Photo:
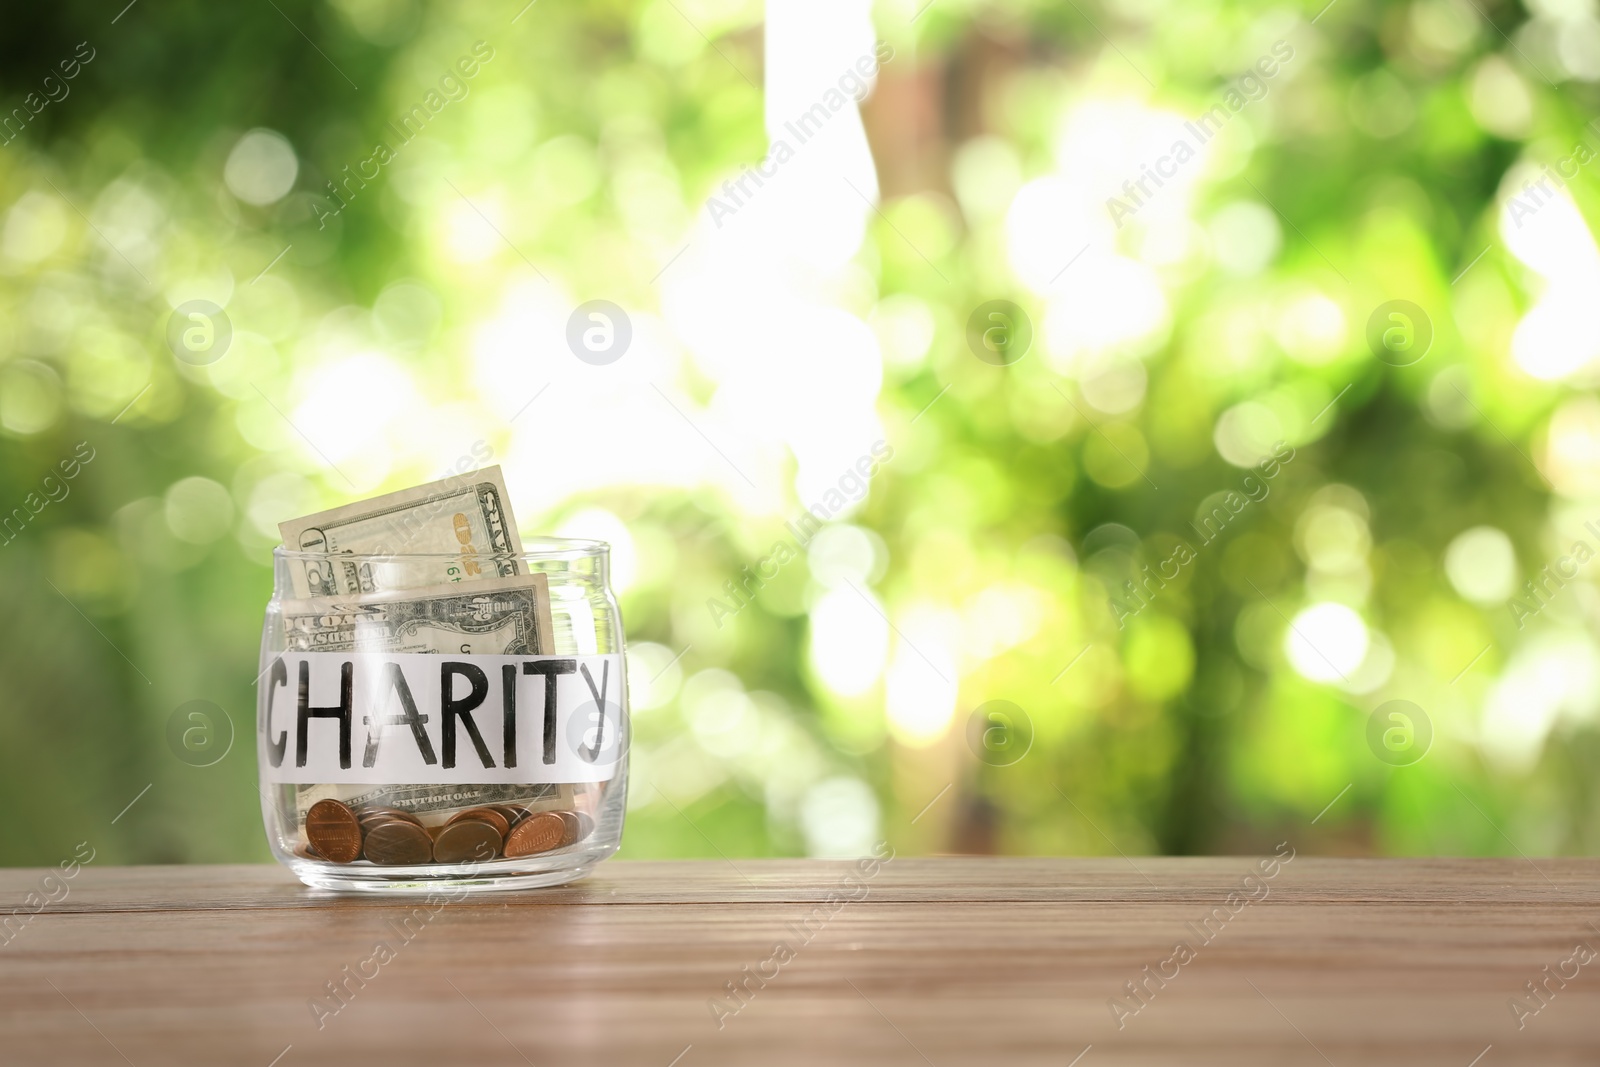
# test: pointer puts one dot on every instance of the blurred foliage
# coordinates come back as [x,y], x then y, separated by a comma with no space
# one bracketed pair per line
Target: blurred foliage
[1169,355]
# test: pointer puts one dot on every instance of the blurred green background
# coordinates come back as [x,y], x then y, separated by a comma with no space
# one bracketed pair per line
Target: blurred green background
[1437,461]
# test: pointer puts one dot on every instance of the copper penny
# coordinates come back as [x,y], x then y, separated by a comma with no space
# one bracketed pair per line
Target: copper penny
[570,820]
[370,824]
[467,840]
[539,832]
[366,814]
[397,842]
[333,831]
[488,815]
[513,814]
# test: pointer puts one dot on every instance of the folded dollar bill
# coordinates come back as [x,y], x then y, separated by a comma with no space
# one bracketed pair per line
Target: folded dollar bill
[464,520]
[493,617]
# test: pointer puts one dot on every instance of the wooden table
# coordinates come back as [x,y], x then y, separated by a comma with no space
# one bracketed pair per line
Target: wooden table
[935,961]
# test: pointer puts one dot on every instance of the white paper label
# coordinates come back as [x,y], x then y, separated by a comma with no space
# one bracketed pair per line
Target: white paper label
[336,717]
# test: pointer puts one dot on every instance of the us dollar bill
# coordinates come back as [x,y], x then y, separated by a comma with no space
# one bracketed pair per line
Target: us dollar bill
[464,521]
[494,617]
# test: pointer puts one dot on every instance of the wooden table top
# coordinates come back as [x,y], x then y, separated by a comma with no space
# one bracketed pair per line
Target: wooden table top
[922,962]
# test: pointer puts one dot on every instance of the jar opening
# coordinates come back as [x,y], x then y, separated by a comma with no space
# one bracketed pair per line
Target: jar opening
[535,549]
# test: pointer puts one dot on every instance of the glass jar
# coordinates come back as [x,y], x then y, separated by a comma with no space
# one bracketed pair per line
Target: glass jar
[454,723]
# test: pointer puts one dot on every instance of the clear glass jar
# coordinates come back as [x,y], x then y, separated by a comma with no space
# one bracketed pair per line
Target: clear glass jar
[457,723]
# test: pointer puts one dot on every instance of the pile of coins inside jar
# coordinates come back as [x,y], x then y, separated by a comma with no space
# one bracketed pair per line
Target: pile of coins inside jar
[392,837]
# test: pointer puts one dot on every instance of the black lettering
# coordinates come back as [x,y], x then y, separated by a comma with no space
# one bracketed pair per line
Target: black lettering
[278,676]
[590,755]
[342,712]
[394,678]
[453,709]
[550,668]
[508,694]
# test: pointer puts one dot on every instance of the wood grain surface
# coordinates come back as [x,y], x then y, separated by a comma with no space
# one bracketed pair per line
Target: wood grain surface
[934,961]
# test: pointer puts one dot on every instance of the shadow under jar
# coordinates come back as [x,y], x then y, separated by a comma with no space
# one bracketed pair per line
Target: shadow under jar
[456,722]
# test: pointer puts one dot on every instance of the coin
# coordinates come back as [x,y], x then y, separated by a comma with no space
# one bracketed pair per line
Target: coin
[397,842]
[467,839]
[570,819]
[375,821]
[585,825]
[333,831]
[488,815]
[396,813]
[539,832]
[512,814]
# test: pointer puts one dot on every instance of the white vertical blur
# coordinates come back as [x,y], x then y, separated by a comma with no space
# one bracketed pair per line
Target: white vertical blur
[1542,227]
[756,296]
[810,45]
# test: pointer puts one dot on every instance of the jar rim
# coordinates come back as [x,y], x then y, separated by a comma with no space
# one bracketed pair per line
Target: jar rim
[534,550]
